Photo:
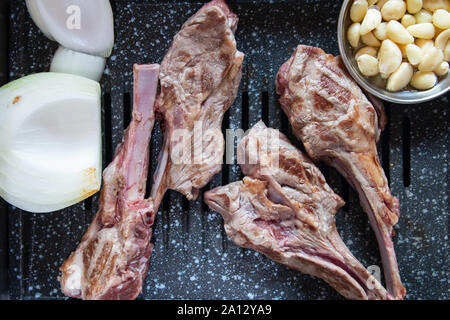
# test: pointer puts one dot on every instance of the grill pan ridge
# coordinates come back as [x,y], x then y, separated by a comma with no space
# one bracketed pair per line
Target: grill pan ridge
[193,258]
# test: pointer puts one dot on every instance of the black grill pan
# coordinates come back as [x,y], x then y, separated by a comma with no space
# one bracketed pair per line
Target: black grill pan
[193,258]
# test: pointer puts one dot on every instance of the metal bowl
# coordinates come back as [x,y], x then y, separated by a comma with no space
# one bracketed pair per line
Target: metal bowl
[406,96]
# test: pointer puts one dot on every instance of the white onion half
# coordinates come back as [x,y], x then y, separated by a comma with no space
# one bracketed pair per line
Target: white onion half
[82,64]
[50,141]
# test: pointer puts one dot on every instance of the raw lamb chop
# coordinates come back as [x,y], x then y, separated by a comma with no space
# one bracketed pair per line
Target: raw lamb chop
[337,124]
[112,259]
[285,209]
[200,75]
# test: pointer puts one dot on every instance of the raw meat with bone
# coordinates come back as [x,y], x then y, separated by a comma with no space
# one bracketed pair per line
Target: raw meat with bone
[112,259]
[199,80]
[285,209]
[200,76]
[337,124]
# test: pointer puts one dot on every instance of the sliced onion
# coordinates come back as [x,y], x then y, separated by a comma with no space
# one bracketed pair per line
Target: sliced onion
[58,20]
[50,141]
[82,64]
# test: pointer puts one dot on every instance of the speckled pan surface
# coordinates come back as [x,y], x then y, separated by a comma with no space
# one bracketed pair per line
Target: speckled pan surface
[193,258]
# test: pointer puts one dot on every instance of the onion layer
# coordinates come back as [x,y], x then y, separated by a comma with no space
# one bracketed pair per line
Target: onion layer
[82,64]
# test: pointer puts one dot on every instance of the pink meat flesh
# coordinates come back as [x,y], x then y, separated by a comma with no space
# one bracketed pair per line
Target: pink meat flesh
[285,209]
[200,76]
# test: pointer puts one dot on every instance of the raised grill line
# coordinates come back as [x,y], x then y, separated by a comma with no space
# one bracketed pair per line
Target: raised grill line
[265,107]
[165,225]
[406,151]
[107,128]
[245,110]
[385,145]
[126,110]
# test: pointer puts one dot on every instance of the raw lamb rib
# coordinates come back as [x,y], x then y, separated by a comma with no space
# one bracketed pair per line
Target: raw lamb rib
[200,75]
[337,124]
[112,259]
[285,209]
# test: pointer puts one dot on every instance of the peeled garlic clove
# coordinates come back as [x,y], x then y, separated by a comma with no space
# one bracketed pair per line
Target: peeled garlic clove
[389,57]
[398,33]
[358,10]
[370,40]
[50,141]
[408,20]
[447,51]
[441,19]
[423,16]
[381,3]
[442,69]
[413,6]
[423,80]
[414,54]
[371,20]
[424,44]
[432,58]
[381,31]
[84,26]
[422,30]
[402,48]
[366,50]
[393,10]
[442,39]
[400,77]
[353,35]
[433,5]
[82,64]
[368,65]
